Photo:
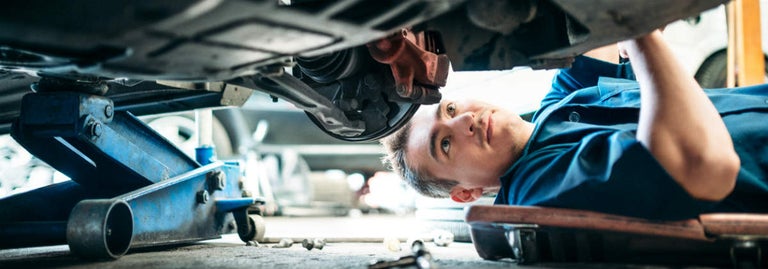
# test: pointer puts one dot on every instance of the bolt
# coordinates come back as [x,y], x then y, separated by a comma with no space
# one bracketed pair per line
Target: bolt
[284,243]
[442,238]
[202,197]
[402,90]
[94,129]
[217,180]
[308,244]
[109,111]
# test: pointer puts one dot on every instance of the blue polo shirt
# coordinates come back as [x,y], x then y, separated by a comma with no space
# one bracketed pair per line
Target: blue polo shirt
[583,153]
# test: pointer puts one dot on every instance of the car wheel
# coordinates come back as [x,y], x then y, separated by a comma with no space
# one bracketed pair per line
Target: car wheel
[181,130]
[712,73]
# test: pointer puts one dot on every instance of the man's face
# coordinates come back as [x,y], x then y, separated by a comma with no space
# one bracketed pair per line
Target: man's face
[469,141]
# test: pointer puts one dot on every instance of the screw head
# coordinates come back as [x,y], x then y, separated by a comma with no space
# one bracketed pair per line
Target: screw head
[202,197]
[217,180]
[109,111]
[94,129]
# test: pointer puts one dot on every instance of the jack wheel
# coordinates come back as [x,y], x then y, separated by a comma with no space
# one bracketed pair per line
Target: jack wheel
[255,230]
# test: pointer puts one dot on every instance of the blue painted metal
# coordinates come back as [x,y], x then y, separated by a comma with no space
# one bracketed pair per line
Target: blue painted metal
[112,157]
[205,154]
[32,233]
[167,212]
[81,136]
[229,205]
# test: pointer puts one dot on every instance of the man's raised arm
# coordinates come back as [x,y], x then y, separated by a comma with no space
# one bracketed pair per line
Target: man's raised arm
[679,124]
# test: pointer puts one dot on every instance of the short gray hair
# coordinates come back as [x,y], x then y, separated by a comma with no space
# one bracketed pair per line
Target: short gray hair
[396,160]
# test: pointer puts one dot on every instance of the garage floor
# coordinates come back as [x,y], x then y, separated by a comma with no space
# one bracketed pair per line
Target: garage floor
[353,243]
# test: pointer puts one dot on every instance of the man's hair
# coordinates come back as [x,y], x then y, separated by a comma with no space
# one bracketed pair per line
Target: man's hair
[396,160]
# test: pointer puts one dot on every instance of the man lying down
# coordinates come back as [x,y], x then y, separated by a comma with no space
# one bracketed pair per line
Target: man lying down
[638,138]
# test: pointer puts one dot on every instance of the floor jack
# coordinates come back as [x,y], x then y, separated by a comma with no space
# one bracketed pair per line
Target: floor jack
[130,187]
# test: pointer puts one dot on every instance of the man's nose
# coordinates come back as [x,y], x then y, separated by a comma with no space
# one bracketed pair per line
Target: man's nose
[464,123]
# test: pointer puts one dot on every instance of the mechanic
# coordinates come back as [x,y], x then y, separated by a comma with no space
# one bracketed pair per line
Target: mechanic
[656,147]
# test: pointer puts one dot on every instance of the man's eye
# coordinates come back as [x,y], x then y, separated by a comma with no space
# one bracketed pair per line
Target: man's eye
[445,145]
[451,109]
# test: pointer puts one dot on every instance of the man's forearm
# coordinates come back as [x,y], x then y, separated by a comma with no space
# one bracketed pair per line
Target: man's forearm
[679,124]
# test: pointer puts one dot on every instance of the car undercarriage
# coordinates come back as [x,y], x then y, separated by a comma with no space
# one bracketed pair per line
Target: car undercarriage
[179,55]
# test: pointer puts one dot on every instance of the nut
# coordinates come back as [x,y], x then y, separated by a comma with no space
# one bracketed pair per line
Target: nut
[319,243]
[308,244]
[442,238]
[392,244]
[202,196]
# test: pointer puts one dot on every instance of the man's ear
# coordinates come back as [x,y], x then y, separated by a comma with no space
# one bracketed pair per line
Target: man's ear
[463,195]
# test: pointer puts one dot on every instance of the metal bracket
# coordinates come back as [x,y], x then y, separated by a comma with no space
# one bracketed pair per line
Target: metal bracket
[746,253]
[283,85]
[522,240]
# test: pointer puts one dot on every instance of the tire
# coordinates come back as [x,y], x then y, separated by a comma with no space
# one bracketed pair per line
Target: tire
[180,129]
[712,73]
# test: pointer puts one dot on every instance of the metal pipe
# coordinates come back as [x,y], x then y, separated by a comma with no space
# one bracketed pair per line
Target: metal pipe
[204,120]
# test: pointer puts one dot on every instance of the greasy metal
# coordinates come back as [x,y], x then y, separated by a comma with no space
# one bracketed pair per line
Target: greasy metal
[100,228]
[304,97]
[501,16]
[235,96]
[560,30]
[417,63]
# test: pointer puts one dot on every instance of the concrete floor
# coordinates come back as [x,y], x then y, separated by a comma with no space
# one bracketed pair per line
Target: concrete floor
[353,243]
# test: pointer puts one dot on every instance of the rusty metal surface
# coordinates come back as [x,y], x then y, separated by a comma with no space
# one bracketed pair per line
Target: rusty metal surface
[419,68]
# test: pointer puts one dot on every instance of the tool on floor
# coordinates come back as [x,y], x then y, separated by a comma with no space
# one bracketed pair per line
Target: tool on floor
[421,258]
[284,243]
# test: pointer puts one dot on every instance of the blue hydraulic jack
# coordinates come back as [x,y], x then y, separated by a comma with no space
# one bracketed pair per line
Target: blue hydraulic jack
[130,187]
